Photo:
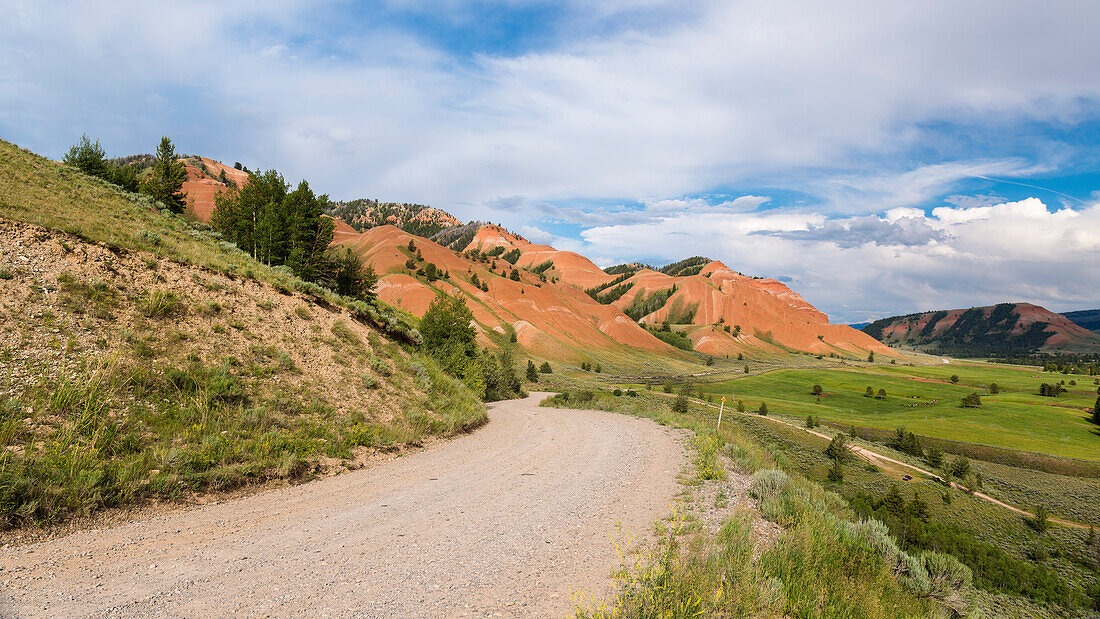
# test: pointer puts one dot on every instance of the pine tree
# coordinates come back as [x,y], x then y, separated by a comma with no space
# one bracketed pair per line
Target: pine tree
[87,156]
[166,177]
[1096,411]
[532,372]
[310,232]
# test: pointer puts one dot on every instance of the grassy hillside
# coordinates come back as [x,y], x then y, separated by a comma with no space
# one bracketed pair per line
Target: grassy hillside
[142,358]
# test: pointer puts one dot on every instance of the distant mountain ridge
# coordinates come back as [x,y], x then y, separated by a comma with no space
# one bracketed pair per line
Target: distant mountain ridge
[1089,319]
[999,330]
[419,219]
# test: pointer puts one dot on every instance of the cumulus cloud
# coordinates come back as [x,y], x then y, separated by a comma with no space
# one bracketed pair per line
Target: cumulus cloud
[857,231]
[867,267]
[711,93]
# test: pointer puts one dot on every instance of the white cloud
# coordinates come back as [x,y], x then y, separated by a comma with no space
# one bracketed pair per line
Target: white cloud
[725,92]
[1016,251]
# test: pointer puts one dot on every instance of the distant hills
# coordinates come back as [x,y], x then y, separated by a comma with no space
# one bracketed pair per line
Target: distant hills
[1089,319]
[1003,330]
[559,304]
[364,214]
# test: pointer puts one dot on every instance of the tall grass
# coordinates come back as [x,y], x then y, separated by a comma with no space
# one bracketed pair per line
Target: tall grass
[119,431]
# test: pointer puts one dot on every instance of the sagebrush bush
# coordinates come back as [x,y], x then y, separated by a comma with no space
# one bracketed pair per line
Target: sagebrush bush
[768,484]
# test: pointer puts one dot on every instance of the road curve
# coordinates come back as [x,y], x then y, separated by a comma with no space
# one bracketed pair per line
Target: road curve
[508,521]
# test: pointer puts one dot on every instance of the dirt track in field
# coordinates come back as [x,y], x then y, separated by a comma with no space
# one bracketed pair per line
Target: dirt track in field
[513,520]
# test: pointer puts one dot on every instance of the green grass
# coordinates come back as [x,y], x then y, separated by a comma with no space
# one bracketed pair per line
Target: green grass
[1017,418]
[121,431]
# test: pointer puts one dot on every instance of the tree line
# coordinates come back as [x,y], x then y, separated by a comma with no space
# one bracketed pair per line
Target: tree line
[280,226]
[163,183]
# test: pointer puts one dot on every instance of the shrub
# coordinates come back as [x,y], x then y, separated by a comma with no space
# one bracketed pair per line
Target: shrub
[707,464]
[545,368]
[817,390]
[161,304]
[768,484]
[680,404]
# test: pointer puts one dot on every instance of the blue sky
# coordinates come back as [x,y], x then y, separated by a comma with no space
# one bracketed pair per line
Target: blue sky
[881,158]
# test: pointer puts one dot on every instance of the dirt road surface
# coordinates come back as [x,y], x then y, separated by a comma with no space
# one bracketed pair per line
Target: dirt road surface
[512,520]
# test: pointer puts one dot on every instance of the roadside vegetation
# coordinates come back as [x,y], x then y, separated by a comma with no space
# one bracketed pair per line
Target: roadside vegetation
[1024,566]
[826,563]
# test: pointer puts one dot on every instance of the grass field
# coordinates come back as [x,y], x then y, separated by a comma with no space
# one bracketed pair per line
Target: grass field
[924,401]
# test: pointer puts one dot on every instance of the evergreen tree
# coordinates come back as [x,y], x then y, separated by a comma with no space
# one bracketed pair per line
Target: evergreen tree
[1096,411]
[839,449]
[252,217]
[87,156]
[451,339]
[351,278]
[532,372]
[763,410]
[817,390]
[310,232]
[545,368]
[166,177]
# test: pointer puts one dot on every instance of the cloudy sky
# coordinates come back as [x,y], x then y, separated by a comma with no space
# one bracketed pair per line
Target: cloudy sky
[880,158]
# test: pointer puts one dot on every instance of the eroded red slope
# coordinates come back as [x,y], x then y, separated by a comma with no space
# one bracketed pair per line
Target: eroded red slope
[770,315]
[201,189]
[552,319]
[569,267]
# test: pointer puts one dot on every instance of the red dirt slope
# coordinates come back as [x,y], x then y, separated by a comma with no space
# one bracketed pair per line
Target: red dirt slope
[202,187]
[551,319]
[772,317]
[569,267]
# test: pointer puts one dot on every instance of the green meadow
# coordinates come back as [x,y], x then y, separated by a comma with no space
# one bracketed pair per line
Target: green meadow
[924,401]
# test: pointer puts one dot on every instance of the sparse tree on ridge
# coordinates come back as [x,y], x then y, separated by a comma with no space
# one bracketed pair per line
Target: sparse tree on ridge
[166,177]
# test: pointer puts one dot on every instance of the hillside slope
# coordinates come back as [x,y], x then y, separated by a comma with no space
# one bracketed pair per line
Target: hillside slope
[566,266]
[725,313]
[551,320]
[204,183]
[1005,329]
[140,358]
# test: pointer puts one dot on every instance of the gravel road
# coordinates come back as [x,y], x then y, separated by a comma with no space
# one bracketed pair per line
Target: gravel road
[512,520]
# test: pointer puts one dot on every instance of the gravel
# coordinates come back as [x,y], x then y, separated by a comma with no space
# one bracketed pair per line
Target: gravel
[516,519]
